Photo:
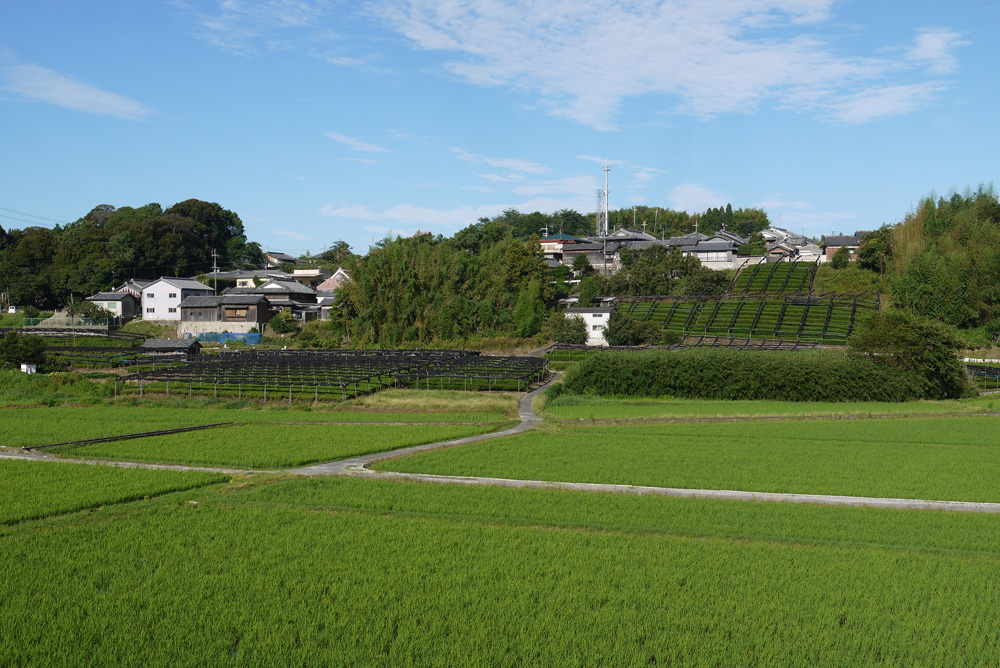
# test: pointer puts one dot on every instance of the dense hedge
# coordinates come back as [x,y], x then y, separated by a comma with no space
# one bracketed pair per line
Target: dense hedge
[723,373]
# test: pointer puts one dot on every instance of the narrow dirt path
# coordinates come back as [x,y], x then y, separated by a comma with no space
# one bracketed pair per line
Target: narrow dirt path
[525,411]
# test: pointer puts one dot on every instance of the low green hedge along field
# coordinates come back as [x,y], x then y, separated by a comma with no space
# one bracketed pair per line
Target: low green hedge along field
[38,489]
[269,446]
[361,573]
[930,458]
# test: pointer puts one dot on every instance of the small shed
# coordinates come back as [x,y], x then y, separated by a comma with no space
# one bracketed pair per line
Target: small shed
[189,347]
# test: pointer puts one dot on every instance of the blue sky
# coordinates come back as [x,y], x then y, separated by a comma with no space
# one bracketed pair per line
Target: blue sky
[318,120]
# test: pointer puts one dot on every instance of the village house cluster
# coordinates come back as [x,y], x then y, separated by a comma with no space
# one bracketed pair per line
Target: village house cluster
[256,297]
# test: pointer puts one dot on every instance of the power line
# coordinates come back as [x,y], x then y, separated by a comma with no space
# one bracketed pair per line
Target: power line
[20,220]
[33,215]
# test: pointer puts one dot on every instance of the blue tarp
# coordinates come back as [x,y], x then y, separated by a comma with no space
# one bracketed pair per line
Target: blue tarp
[249,339]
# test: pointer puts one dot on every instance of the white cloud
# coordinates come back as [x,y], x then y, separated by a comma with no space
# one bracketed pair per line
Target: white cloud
[574,185]
[498,178]
[695,198]
[242,27]
[513,164]
[585,58]
[357,211]
[34,82]
[446,221]
[356,144]
[291,235]
[932,47]
[409,214]
[877,103]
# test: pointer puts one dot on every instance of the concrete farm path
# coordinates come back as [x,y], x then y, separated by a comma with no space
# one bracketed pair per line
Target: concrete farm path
[359,467]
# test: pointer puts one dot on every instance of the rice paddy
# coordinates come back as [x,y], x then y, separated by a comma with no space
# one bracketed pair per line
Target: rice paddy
[128,567]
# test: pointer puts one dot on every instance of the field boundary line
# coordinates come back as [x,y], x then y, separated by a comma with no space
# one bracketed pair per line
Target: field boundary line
[361,470]
[31,456]
[525,411]
[125,437]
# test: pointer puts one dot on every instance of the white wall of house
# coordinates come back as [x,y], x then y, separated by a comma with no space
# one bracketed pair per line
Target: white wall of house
[596,320]
[162,300]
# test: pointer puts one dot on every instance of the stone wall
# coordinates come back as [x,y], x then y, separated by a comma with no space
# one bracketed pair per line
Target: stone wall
[195,328]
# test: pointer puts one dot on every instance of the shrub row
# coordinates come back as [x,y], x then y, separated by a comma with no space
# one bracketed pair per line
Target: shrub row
[725,373]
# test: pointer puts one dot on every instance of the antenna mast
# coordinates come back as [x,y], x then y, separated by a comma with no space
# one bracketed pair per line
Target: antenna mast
[606,166]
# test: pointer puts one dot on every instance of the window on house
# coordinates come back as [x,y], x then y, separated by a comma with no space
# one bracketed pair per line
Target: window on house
[171,310]
[151,295]
[150,309]
[171,295]
[598,315]
[597,327]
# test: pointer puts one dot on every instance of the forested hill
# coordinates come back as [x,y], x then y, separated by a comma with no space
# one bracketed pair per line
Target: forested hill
[108,246]
[943,259]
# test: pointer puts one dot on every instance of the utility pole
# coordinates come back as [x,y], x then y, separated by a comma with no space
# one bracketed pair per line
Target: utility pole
[215,272]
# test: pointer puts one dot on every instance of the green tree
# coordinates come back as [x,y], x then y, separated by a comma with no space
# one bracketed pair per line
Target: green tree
[900,339]
[562,328]
[841,259]
[588,292]
[283,323]
[582,266]
[16,349]
[625,330]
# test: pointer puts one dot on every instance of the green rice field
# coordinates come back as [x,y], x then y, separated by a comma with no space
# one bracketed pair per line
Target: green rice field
[585,407]
[929,458]
[112,566]
[31,490]
[358,573]
[23,427]
[270,446]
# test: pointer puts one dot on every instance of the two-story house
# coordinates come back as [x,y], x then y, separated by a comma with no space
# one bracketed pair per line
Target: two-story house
[161,299]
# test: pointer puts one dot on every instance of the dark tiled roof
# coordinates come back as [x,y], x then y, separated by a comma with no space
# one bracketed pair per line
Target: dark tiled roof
[841,241]
[233,300]
[711,246]
[110,296]
[170,344]
[201,302]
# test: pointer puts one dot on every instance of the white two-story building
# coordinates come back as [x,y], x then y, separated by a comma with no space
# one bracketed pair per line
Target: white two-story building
[161,299]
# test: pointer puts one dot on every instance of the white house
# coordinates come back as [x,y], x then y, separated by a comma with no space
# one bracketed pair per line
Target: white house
[161,299]
[596,319]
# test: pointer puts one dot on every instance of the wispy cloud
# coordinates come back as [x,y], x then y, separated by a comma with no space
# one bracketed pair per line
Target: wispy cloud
[705,58]
[40,84]
[358,211]
[933,47]
[877,103]
[695,198]
[291,235]
[513,164]
[573,185]
[441,220]
[246,27]
[356,144]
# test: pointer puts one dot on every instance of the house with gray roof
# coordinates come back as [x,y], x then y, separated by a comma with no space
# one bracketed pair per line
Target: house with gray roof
[161,299]
[122,304]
